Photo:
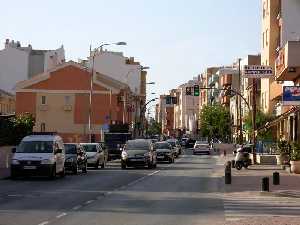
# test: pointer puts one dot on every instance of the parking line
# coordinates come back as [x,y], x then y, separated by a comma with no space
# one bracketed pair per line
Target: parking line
[77,207]
[43,223]
[61,215]
[89,202]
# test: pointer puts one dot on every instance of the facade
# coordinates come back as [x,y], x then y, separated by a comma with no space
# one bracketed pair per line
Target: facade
[280,49]
[19,63]
[7,103]
[162,112]
[59,101]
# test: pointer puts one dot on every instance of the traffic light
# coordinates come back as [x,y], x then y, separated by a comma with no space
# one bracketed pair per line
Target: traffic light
[168,100]
[188,91]
[196,90]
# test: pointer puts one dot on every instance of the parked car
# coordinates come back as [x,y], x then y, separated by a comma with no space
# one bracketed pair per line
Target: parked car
[95,155]
[175,145]
[39,154]
[76,158]
[201,147]
[164,151]
[190,143]
[138,153]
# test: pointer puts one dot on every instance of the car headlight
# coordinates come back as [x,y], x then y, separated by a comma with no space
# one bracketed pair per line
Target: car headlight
[124,155]
[47,161]
[15,162]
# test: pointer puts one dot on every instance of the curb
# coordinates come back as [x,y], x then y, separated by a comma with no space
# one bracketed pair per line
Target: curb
[279,194]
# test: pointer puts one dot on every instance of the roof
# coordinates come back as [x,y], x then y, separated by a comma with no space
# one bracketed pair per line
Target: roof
[6,93]
[99,79]
[41,138]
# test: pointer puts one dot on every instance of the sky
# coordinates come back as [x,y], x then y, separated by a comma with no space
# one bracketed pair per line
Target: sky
[177,39]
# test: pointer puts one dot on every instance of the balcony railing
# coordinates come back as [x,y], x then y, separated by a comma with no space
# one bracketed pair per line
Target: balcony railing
[287,65]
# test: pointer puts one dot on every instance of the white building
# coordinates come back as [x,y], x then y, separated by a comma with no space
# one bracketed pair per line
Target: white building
[19,63]
[119,67]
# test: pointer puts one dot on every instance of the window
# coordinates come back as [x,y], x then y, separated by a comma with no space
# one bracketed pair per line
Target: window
[43,100]
[67,100]
[267,43]
[43,127]
[263,40]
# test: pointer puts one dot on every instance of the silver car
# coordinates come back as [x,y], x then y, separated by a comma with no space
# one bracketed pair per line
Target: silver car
[95,155]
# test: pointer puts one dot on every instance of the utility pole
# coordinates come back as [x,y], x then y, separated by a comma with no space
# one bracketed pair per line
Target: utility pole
[240,105]
[254,90]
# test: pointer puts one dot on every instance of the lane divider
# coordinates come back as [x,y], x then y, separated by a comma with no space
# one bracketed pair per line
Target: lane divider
[77,207]
[43,223]
[61,215]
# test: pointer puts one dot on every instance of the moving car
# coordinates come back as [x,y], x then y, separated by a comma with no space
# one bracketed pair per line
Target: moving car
[201,147]
[164,152]
[39,154]
[95,155]
[113,143]
[76,158]
[138,153]
[189,143]
[175,145]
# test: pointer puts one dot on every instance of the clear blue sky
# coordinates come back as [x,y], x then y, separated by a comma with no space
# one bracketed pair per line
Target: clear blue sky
[176,38]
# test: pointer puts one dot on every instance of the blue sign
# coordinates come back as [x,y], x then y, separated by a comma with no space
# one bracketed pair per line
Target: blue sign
[291,95]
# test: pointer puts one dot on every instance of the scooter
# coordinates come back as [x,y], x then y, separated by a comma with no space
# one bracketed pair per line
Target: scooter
[242,159]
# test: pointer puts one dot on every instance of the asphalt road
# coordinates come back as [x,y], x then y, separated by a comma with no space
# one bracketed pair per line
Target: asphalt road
[186,192]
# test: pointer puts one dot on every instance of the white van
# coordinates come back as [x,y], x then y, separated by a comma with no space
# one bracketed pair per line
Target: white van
[39,154]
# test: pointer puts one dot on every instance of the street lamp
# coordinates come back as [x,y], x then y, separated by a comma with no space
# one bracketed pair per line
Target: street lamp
[91,82]
[151,82]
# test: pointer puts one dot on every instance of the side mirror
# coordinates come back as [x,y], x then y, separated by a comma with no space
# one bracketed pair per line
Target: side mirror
[13,150]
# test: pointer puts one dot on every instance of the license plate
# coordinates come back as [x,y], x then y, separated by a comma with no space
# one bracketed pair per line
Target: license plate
[29,167]
[136,160]
[160,157]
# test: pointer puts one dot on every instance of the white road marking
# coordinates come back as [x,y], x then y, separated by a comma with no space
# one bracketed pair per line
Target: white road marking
[77,207]
[89,202]
[43,223]
[61,215]
[16,195]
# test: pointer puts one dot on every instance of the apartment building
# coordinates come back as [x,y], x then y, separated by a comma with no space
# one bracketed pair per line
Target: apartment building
[20,63]
[7,103]
[59,101]
[280,49]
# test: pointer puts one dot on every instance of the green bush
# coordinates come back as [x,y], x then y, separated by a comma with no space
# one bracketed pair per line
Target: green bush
[13,129]
[295,153]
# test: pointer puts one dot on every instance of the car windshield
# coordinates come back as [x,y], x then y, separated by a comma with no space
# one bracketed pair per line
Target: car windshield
[171,142]
[137,145]
[70,149]
[35,147]
[90,148]
[162,146]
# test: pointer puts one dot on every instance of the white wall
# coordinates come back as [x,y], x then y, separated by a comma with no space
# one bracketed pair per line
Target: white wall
[13,67]
[53,58]
[114,65]
[290,17]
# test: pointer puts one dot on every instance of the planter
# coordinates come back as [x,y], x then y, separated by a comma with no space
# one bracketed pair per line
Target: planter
[282,159]
[295,167]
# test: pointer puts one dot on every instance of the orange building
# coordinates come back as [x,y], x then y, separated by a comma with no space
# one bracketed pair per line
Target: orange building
[60,102]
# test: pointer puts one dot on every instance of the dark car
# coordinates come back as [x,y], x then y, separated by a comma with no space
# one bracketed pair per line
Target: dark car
[190,143]
[76,158]
[164,151]
[175,145]
[138,153]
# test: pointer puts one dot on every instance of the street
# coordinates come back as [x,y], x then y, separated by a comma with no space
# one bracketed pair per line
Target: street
[182,193]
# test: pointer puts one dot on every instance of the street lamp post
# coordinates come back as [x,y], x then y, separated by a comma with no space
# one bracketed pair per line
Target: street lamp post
[143,109]
[91,83]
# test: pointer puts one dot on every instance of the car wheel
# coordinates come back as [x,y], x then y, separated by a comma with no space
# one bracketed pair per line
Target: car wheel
[171,160]
[149,165]
[238,165]
[53,172]
[84,169]
[123,166]
[13,174]
[103,165]
[75,169]
[154,166]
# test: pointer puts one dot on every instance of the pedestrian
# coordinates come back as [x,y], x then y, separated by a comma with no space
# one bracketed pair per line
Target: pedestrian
[224,153]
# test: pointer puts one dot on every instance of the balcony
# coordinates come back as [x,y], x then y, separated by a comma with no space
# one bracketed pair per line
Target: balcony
[287,65]
[226,80]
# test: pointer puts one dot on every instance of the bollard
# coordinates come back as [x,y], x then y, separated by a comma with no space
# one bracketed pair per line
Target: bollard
[233,163]
[265,184]
[276,178]
[228,173]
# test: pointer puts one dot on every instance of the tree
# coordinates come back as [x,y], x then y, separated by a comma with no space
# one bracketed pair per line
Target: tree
[215,122]
[13,129]
[154,127]
[261,120]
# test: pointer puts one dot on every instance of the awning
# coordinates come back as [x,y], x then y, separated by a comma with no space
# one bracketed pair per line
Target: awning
[279,118]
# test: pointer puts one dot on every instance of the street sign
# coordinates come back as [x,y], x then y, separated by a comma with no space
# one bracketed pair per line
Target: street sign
[257,71]
[291,95]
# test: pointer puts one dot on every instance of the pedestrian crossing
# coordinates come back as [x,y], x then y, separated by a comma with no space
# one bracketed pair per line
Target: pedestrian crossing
[247,205]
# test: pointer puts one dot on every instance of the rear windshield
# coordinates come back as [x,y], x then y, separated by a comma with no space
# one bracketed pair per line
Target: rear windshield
[35,147]
[70,149]
[90,148]
[137,145]
[171,142]
[162,146]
